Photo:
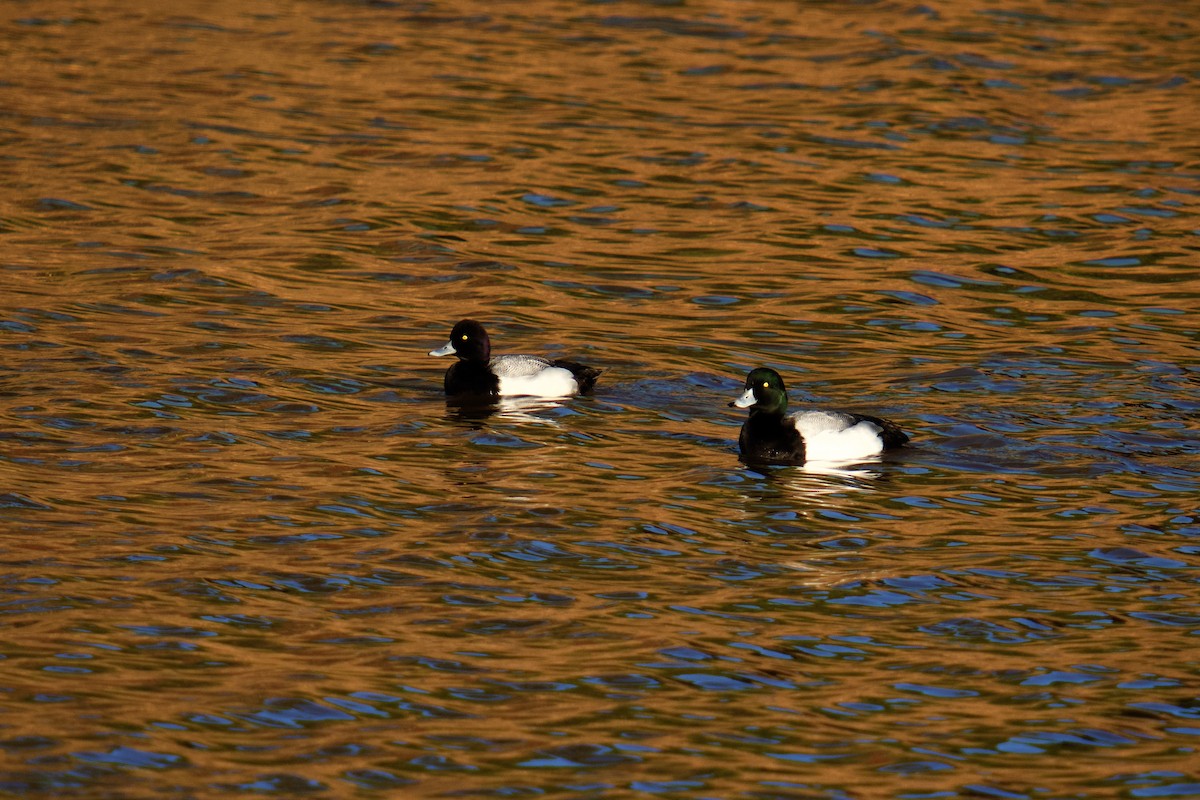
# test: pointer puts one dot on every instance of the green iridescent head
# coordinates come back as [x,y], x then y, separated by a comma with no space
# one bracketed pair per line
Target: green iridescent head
[764,392]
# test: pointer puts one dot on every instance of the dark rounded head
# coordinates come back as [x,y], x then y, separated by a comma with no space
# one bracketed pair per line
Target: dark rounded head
[764,392]
[468,340]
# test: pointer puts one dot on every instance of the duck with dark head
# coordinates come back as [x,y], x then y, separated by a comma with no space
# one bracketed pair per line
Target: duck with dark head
[478,373]
[772,436]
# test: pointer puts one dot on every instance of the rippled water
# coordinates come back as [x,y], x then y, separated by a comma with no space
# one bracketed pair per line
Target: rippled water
[248,549]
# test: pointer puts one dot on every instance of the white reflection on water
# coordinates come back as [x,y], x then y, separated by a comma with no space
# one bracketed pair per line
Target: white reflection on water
[525,409]
[821,479]
[533,410]
[842,469]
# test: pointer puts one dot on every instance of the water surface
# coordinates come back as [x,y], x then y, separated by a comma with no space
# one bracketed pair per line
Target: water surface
[248,549]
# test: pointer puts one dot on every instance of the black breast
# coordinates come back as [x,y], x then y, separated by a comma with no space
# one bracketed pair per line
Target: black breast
[471,377]
[770,439]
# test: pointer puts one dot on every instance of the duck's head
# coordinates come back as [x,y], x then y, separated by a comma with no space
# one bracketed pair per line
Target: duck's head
[468,340]
[764,392]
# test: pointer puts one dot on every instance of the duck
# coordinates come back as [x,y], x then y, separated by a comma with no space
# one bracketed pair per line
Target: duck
[478,373]
[771,436]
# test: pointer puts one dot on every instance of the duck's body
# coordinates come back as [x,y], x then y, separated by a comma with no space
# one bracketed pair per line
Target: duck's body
[519,375]
[770,435]
[478,373]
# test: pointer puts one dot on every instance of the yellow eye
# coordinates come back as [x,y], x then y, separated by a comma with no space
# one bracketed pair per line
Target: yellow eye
[463,337]
[765,384]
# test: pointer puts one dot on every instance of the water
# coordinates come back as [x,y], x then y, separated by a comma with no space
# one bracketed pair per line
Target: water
[249,550]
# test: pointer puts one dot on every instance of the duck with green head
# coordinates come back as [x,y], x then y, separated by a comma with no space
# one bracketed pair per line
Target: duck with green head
[771,436]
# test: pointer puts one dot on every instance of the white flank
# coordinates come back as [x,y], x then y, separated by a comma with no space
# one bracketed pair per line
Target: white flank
[550,382]
[830,436]
[532,377]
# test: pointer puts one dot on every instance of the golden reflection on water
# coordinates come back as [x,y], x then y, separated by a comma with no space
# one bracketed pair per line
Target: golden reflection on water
[248,547]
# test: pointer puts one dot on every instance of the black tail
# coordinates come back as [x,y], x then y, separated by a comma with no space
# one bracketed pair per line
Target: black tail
[584,376]
[891,434]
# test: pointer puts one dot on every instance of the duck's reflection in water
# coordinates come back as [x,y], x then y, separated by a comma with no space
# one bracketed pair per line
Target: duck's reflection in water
[820,491]
[847,472]
[817,479]
[836,576]
[509,409]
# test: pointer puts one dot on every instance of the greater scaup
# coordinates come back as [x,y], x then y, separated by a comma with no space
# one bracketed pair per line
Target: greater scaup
[478,372]
[768,436]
